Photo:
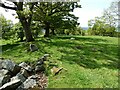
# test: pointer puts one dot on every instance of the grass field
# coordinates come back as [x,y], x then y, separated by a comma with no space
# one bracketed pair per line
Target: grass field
[88,61]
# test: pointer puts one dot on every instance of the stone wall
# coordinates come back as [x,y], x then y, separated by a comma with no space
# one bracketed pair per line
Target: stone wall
[22,76]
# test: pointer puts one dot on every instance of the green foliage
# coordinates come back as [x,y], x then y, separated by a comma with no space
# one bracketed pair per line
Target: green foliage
[76,31]
[56,15]
[99,26]
[18,30]
[6,27]
[36,28]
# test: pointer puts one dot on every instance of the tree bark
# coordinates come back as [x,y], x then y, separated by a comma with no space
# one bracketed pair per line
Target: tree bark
[26,26]
[53,32]
[28,33]
[47,27]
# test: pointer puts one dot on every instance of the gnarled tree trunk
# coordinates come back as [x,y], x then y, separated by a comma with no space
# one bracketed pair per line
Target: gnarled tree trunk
[26,26]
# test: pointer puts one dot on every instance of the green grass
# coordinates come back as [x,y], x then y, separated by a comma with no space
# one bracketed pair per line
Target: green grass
[88,61]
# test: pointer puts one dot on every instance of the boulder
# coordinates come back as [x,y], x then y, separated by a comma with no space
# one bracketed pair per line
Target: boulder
[55,70]
[46,56]
[39,68]
[72,38]
[40,62]
[10,66]
[4,72]
[33,77]
[18,77]
[26,66]
[29,83]
[12,85]
[24,73]
[33,47]
[4,79]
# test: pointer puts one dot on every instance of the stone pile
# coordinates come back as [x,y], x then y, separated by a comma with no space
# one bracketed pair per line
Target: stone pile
[22,76]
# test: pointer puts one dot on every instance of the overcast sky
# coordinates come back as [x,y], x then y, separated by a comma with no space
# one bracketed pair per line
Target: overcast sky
[89,10]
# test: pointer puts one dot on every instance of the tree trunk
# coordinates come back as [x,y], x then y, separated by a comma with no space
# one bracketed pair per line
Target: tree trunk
[27,30]
[28,33]
[21,36]
[25,21]
[47,27]
[26,27]
[53,32]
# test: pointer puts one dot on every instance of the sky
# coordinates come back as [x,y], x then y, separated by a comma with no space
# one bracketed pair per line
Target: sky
[90,9]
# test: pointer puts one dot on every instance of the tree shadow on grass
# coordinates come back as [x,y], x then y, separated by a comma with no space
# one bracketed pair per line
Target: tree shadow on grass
[90,63]
[81,38]
[104,55]
[8,46]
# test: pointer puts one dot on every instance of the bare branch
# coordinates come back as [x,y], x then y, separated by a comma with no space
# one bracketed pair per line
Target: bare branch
[7,7]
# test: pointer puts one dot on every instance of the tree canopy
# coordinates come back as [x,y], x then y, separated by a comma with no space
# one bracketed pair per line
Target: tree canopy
[54,15]
[51,15]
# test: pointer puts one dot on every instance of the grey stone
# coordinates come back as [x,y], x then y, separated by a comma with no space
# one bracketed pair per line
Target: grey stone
[27,84]
[46,57]
[33,47]
[72,38]
[42,58]
[3,72]
[56,70]
[25,66]
[39,68]
[1,61]
[24,72]
[4,79]
[33,77]
[18,77]
[10,66]
[40,62]
[1,80]
[7,64]
[12,85]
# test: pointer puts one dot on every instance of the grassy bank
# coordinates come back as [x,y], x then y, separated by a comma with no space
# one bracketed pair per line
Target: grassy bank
[88,61]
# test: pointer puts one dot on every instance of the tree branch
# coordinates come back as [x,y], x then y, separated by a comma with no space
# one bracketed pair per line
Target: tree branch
[31,8]
[7,7]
